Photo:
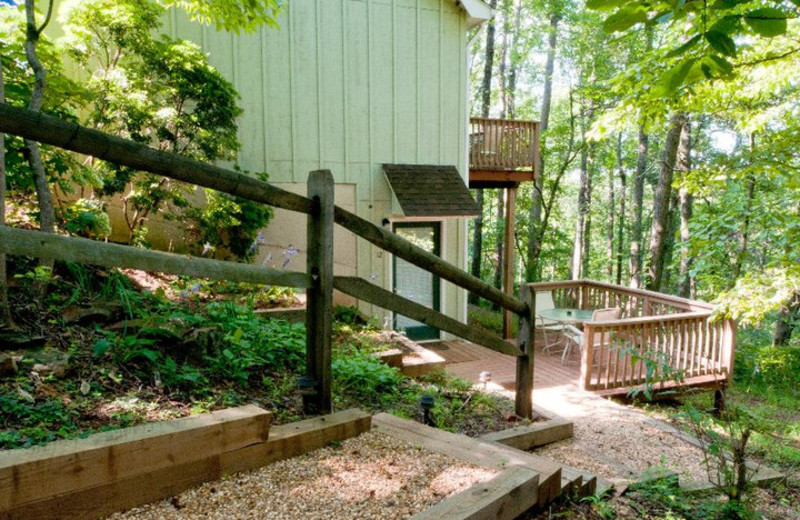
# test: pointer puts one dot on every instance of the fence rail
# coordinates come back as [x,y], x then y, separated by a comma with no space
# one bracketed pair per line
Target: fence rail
[318,280]
[659,339]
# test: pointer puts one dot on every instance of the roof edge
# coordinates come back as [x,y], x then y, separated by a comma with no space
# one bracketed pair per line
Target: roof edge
[477,11]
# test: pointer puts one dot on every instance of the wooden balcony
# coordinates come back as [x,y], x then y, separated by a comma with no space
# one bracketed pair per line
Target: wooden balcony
[502,152]
[658,337]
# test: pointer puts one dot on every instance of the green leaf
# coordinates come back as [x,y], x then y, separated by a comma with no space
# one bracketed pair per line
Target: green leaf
[605,5]
[722,65]
[674,77]
[767,21]
[624,19]
[728,25]
[685,47]
[101,346]
[728,4]
[722,43]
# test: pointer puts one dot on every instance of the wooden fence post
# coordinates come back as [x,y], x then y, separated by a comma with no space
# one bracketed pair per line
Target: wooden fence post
[508,256]
[525,343]
[319,298]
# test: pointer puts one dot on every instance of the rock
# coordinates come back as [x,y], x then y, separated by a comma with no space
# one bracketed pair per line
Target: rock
[49,361]
[8,365]
[11,339]
[86,315]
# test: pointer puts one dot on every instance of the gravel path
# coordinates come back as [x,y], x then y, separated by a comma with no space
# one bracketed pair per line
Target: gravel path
[373,476]
[614,441]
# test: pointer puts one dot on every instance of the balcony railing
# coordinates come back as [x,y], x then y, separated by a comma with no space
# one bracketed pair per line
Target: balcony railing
[661,339]
[503,145]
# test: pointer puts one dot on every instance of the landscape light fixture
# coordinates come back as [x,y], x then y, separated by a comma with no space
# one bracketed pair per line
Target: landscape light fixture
[426,403]
[307,386]
[484,377]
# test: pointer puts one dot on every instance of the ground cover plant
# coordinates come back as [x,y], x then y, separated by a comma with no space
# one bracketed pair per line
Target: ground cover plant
[112,354]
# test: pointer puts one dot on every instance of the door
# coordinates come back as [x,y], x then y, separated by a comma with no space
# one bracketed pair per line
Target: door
[415,283]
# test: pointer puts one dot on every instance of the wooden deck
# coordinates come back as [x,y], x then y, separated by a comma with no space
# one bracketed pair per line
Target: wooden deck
[468,360]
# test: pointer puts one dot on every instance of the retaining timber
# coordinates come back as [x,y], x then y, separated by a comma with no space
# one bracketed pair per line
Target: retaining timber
[107,472]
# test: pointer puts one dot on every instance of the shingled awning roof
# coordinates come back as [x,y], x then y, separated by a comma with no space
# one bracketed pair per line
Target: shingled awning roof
[430,191]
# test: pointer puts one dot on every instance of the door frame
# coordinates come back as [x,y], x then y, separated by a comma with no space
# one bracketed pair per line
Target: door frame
[436,286]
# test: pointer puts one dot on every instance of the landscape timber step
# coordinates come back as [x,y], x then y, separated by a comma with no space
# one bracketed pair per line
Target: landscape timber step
[241,444]
[533,435]
[421,361]
[604,486]
[505,497]
[490,455]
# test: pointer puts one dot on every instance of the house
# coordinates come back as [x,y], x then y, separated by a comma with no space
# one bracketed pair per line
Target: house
[351,86]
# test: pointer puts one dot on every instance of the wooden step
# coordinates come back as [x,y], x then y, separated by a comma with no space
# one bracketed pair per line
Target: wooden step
[571,481]
[481,453]
[533,435]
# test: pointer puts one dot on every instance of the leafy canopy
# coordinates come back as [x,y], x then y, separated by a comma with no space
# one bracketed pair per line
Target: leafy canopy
[712,33]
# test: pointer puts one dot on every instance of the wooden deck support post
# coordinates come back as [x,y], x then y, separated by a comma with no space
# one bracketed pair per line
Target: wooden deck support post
[508,257]
[728,347]
[319,298]
[525,342]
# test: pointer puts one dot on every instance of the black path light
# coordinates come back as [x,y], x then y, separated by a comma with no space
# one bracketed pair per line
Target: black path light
[426,402]
[307,388]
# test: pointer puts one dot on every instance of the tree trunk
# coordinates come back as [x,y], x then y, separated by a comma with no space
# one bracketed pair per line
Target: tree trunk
[788,317]
[5,309]
[488,65]
[583,222]
[587,222]
[686,285]
[638,203]
[669,241]
[502,65]
[623,185]
[500,233]
[744,234]
[486,101]
[535,228]
[661,203]
[612,210]
[47,212]
[513,61]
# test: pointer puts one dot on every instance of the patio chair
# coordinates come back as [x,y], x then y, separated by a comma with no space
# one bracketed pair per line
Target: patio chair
[551,329]
[574,336]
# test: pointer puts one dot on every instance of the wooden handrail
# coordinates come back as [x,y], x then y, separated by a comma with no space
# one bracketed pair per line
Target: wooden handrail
[654,297]
[364,290]
[404,249]
[25,242]
[71,136]
[51,130]
[648,319]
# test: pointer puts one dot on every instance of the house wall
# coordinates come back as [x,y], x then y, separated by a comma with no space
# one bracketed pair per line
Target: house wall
[347,85]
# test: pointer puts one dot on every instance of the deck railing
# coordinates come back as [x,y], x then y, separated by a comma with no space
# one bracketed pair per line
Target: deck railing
[502,144]
[660,339]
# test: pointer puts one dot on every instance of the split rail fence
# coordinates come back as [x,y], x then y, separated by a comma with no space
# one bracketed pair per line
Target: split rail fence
[318,280]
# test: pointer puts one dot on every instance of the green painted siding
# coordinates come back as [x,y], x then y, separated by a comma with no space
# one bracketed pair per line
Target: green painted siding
[348,85]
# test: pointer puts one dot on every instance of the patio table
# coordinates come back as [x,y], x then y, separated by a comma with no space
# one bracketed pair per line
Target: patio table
[567,316]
